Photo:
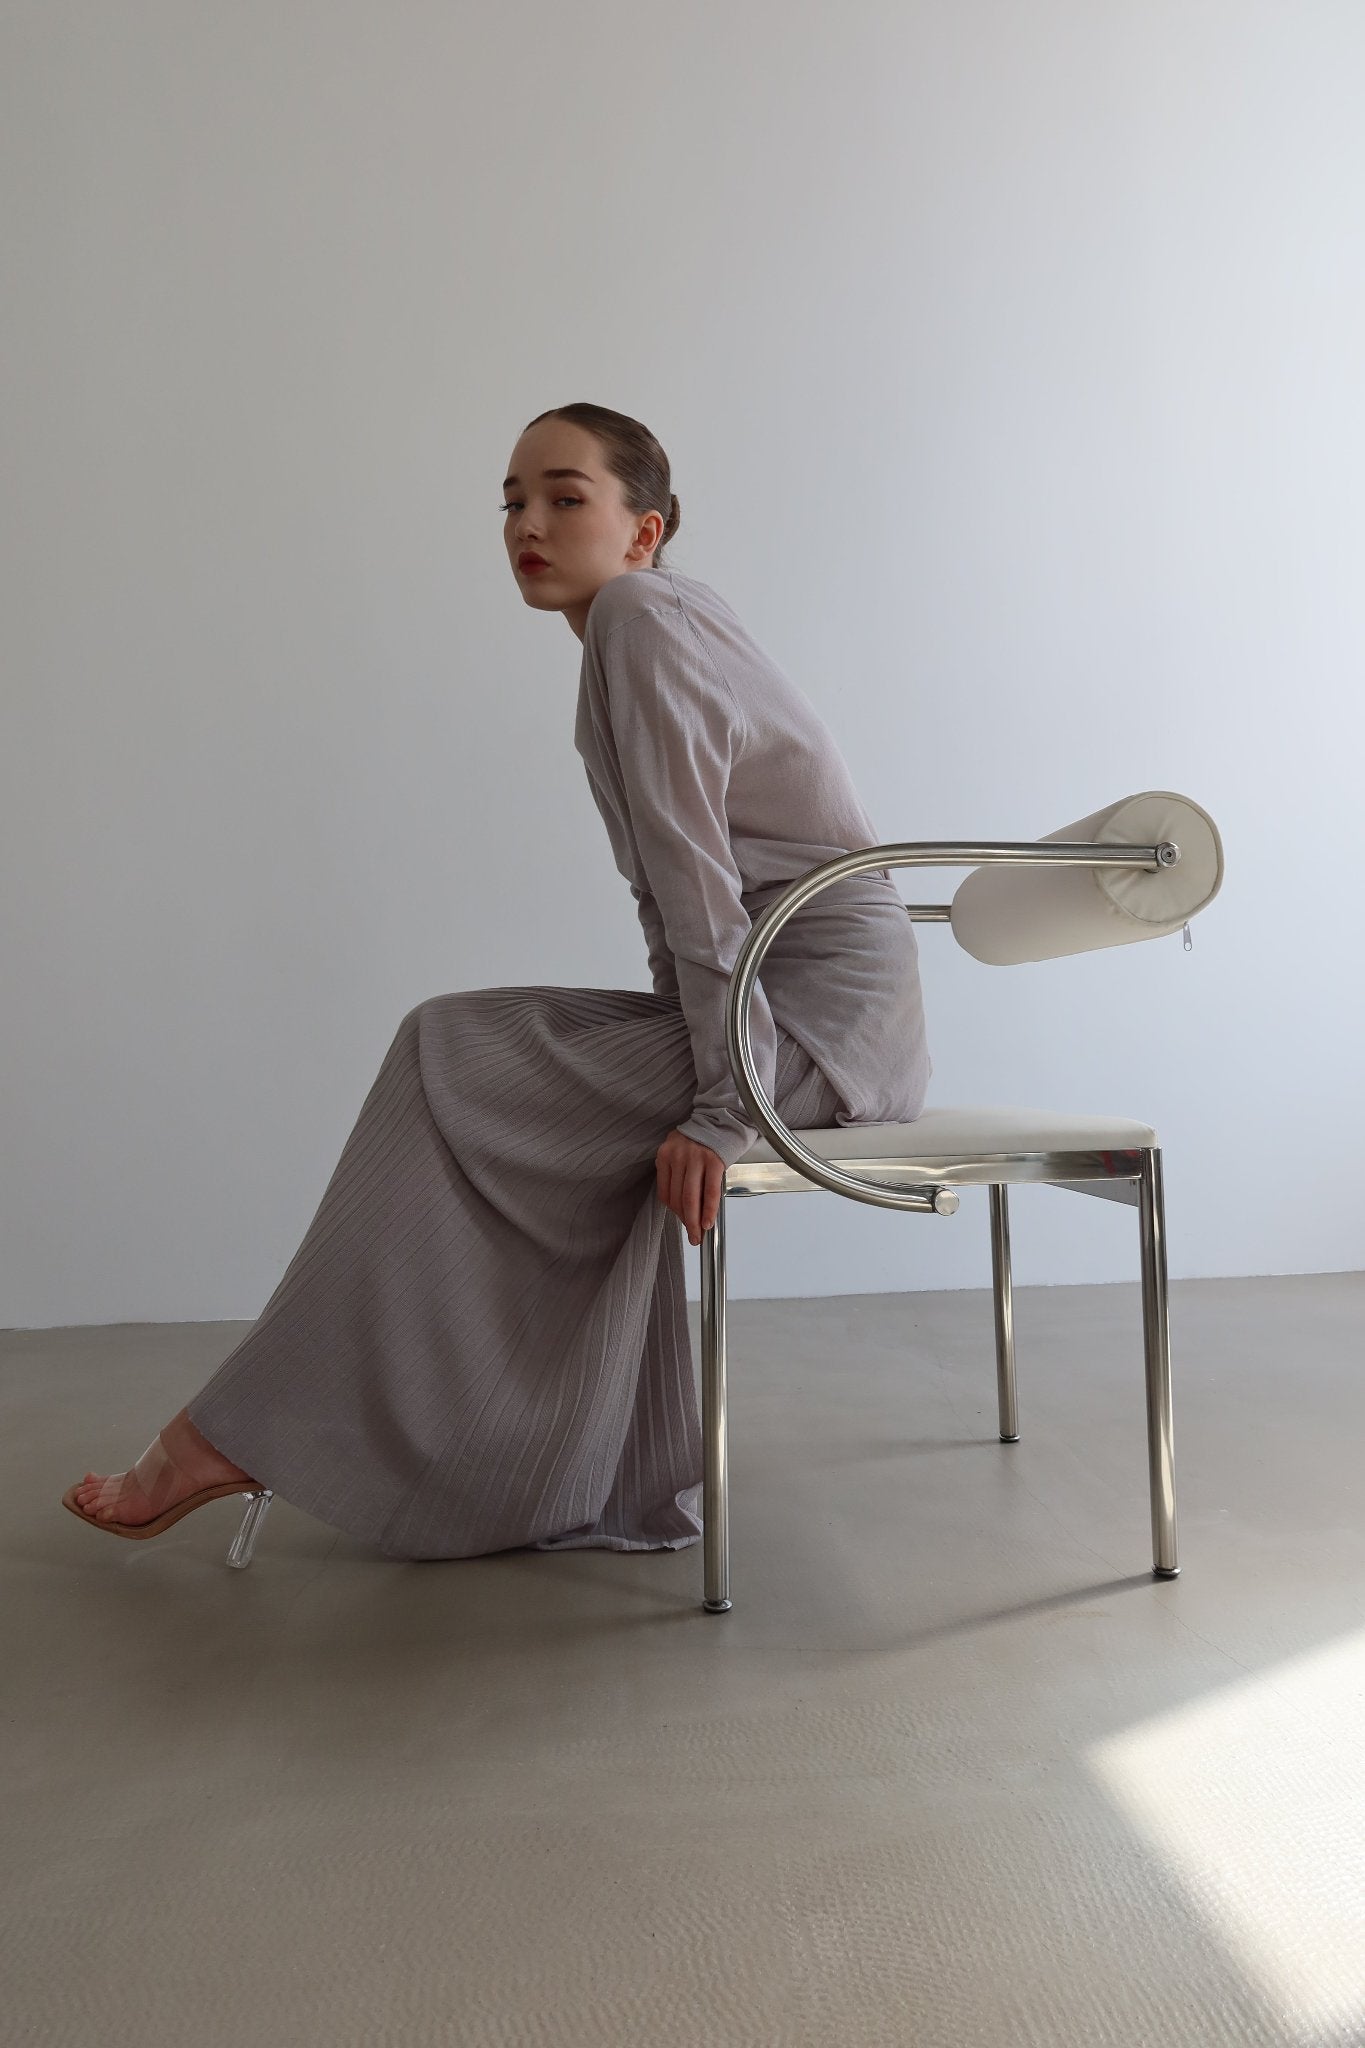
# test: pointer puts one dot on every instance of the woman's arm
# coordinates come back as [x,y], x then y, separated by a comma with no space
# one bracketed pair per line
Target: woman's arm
[662,972]
[675,727]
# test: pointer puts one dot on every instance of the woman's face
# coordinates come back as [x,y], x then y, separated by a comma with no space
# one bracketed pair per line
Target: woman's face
[577,523]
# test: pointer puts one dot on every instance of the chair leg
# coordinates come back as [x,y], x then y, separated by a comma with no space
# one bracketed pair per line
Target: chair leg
[244,1542]
[714,1421]
[1003,1284]
[1156,1337]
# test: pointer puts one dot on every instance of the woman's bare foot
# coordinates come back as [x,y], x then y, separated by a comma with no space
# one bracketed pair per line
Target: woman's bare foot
[178,1461]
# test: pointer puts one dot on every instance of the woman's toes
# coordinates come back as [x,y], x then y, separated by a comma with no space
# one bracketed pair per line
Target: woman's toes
[95,1496]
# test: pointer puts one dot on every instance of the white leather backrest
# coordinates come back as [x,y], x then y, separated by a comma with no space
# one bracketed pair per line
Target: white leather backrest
[1005,915]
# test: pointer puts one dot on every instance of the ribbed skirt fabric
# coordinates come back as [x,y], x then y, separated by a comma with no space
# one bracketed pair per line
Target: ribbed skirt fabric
[482,1342]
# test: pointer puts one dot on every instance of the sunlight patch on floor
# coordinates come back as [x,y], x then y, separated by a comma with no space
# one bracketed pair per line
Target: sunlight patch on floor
[1255,1798]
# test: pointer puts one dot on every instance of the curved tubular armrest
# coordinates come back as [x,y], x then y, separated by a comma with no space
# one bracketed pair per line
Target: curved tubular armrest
[899,854]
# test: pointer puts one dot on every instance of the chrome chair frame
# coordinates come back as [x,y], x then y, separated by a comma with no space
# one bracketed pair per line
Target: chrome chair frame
[927,1185]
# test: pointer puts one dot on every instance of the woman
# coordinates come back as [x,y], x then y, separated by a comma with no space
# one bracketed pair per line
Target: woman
[482,1342]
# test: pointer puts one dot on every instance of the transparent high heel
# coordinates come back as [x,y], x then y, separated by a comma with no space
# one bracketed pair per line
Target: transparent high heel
[258,1499]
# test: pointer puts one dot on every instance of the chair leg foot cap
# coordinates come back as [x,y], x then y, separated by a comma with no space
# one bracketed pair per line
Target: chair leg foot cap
[1010,1439]
[1165,1571]
[716,1606]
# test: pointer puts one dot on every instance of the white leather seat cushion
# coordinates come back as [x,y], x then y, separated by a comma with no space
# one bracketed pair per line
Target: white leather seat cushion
[969,1134]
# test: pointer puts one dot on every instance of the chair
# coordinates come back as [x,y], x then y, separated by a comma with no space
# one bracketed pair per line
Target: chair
[1025,900]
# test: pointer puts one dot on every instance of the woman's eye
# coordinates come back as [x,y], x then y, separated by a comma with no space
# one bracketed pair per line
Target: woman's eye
[515,505]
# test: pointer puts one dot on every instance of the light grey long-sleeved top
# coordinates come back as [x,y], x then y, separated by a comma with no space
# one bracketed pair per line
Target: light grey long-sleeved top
[719,784]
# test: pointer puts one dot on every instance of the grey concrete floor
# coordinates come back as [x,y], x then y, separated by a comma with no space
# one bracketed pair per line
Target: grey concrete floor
[956,1769]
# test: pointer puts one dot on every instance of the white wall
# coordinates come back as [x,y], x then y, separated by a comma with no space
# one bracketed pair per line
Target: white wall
[1009,362]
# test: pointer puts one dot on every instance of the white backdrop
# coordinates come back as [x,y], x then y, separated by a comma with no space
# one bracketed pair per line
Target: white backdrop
[1009,364]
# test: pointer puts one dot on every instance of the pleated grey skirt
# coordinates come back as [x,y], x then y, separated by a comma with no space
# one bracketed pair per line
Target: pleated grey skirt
[482,1342]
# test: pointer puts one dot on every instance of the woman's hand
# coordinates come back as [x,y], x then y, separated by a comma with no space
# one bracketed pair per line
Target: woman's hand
[691,1177]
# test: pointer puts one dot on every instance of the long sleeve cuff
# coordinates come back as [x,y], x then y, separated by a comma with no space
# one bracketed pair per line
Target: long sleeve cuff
[723,1132]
